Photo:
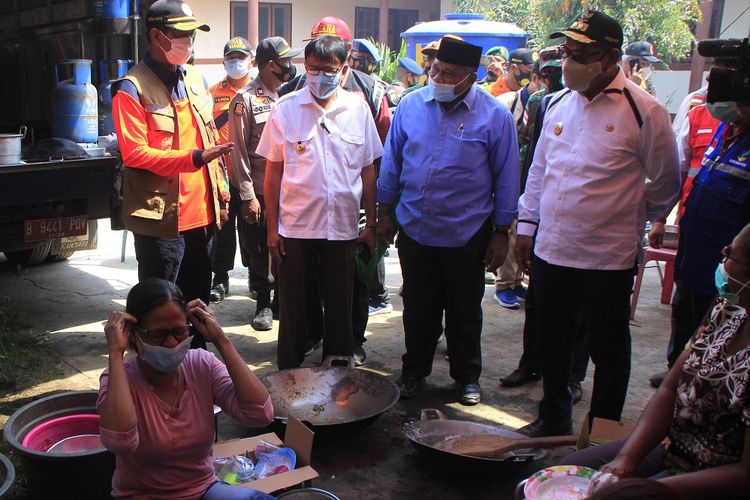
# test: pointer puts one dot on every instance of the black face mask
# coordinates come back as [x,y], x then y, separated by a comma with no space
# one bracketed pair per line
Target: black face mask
[554,82]
[286,74]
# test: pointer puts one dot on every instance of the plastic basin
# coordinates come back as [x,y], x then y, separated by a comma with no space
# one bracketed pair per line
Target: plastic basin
[66,471]
[7,474]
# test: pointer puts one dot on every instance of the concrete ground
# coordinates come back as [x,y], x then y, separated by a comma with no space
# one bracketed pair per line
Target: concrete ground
[66,305]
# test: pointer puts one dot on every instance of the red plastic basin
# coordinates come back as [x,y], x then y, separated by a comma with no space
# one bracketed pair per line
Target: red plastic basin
[69,434]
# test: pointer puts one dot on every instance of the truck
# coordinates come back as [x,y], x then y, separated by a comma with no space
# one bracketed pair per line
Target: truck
[49,209]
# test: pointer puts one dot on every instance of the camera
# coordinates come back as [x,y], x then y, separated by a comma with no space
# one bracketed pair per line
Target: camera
[729,78]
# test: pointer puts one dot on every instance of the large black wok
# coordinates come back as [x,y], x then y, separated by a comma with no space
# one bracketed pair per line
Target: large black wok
[433,428]
[331,400]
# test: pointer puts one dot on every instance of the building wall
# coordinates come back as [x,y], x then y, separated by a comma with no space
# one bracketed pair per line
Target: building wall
[740,27]
[305,13]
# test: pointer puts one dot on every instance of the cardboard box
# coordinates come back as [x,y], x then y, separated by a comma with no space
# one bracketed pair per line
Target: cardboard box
[602,430]
[297,437]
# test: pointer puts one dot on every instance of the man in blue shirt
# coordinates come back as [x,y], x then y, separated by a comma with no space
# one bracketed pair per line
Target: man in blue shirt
[454,186]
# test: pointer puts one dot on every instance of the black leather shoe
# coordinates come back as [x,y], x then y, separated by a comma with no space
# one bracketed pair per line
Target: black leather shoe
[539,428]
[577,390]
[219,292]
[519,377]
[410,386]
[469,394]
[656,379]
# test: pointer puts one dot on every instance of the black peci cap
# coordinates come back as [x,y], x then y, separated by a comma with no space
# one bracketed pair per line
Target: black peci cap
[453,51]
[594,27]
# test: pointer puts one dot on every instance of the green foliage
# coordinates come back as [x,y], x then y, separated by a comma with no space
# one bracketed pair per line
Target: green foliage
[388,60]
[665,23]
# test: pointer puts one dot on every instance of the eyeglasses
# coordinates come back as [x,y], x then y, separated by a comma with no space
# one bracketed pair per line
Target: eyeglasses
[327,71]
[158,337]
[580,56]
[726,254]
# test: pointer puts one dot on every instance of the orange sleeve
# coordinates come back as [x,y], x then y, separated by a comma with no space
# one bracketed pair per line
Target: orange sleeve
[132,136]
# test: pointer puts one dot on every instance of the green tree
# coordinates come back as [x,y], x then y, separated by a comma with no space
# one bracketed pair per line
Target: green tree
[665,23]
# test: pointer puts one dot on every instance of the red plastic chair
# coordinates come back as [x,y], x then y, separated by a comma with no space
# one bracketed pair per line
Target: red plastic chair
[666,255]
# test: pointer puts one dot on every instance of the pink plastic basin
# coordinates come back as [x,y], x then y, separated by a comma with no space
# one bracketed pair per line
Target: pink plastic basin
[70,434]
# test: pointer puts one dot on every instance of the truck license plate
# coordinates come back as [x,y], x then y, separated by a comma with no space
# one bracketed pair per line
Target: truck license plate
[58,227]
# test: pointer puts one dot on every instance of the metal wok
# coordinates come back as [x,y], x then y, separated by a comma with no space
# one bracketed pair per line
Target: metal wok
[331,400]
[432,429]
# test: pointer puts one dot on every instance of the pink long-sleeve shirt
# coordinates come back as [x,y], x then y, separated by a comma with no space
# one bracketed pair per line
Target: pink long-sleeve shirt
[171,458]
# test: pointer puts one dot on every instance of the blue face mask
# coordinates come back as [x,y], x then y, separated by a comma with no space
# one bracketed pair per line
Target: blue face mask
[237,68]
[321,85]
[163,359]
[721,280]
[444,92]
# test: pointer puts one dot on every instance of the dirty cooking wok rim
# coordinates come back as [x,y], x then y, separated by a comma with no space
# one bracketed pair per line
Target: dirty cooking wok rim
[369,373]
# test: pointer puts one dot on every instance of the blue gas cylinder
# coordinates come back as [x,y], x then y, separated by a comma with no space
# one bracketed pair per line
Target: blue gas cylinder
[474,28]
[106,126]
[74,104]
[112,8]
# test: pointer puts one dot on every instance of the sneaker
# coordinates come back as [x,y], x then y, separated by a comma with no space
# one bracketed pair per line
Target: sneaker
[382,308]
[311,346]
[507,298]
[263,320]
[521,292]
[359,355]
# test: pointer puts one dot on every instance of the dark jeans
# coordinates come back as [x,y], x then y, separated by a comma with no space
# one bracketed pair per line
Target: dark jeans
[688,310]
[652,466]
[254,249]
[529,361]
[185,260]
[438,279]
[602,298]
[333,263]
[226,239]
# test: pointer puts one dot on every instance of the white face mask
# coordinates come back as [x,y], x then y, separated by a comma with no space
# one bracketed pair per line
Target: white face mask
[724,111]
[579,76]
[237,68]
[180,49]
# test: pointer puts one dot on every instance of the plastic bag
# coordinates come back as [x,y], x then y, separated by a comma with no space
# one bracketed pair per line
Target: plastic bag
[234,470]
[273,460]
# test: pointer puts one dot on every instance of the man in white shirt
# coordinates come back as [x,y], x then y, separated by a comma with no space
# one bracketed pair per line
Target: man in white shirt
[320,143]
[587,199]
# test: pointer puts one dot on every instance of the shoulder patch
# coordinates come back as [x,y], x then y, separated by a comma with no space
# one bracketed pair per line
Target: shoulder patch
[239,108]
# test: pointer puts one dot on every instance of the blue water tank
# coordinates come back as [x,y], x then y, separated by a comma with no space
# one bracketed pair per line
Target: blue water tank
[74,104]
[112,8]
[474,28]
[106,126]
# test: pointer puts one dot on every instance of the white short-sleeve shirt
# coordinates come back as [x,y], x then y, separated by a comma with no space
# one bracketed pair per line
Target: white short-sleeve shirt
[324,151]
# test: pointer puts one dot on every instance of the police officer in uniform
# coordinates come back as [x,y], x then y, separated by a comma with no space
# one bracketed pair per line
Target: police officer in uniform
[249,111]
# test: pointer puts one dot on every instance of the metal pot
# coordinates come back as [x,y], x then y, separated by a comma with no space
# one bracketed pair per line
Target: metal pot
[331,400]
[10,147]
[433,428]
[307,494]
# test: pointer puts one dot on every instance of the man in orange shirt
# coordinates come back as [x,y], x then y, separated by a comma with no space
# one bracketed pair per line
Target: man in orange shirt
[238,58]
[520,62]
[163,117]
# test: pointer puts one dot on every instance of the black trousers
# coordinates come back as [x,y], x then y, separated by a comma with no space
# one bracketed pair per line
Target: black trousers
[529,361]
[226,239]
[254,250]
[185,260]
[333,263]
[438,279]
[688,310]
[603,299]
[377,293]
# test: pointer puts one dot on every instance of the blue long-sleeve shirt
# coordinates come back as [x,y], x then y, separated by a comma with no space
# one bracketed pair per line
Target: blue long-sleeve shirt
[450,170]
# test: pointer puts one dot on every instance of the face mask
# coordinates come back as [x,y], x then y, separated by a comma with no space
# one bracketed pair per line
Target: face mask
[645,72]
[522,78]
[237,68]
[444,92]
[721,280]
[579,76]
[179,50]
[286,74]
[163,359]
[726,111]
[322,86]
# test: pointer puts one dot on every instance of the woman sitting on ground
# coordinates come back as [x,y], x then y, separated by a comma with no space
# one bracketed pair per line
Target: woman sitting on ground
[157,409]
[703,405]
